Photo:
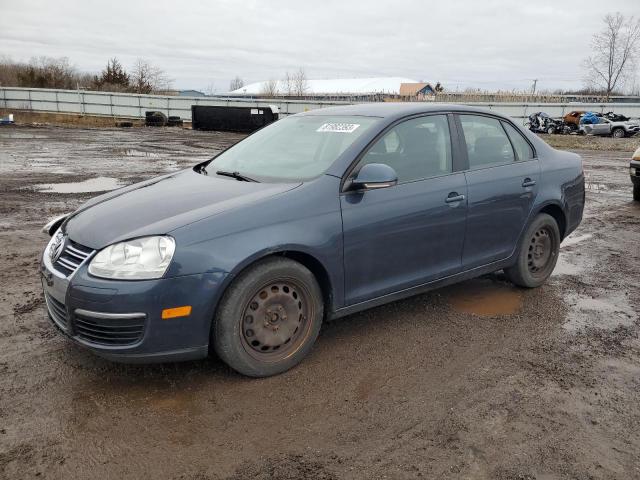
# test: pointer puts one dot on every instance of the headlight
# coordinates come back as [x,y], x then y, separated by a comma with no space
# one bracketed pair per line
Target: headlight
[138,259]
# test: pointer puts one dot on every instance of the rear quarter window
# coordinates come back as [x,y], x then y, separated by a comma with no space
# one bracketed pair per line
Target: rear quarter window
[521,146]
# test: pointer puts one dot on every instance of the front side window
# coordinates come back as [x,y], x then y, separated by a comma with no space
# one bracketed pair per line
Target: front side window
[521,146]
[292,149]
[416,149]
[487,142]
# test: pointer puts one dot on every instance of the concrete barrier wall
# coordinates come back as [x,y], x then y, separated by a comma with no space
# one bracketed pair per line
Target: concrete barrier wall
[134,105]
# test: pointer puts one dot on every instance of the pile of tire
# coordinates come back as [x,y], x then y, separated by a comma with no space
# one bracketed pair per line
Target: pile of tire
[174,122]
[155,119]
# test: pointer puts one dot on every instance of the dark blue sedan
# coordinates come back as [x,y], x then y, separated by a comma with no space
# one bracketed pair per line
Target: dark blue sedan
[314,217]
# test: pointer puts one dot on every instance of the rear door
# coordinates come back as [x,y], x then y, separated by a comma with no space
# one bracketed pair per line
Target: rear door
[502,180]
[408,234]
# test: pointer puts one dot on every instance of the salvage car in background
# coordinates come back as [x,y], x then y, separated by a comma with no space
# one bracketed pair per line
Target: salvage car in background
[540,122]
[606,127]
[572,120]
[316,216]
[634,171]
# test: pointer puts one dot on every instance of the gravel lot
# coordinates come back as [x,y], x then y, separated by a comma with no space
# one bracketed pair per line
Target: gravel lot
[479,380]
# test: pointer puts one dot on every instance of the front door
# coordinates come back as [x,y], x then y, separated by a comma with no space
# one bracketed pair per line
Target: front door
[412,233]
[502,178]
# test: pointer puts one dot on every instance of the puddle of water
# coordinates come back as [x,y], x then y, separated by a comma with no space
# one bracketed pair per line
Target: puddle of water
[20,135]
[132,152]
[98,184]
[485,298]
[564,267]
[596,187]
[573,239]
[601,312]
[43,164]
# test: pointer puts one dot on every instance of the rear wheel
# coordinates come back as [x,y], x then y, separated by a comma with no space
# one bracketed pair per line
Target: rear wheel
[269,318]
[537,253]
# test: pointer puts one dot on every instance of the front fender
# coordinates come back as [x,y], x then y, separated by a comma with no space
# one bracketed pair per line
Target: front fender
[302,221]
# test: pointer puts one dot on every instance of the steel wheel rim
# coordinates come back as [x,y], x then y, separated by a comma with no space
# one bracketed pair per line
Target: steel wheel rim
[276,320]
[542,251]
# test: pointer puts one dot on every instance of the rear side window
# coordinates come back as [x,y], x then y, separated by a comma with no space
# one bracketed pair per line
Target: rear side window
[521,146]
[487,142]
[416,149]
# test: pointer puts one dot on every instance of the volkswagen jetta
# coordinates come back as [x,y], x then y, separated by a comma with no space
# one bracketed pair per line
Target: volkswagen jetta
[314,217]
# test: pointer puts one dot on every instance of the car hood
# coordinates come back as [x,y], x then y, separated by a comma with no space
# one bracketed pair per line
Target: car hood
[161,205]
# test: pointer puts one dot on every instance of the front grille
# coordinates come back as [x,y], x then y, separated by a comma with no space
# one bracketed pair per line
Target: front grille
[72,257]
[110,330]
[57,311]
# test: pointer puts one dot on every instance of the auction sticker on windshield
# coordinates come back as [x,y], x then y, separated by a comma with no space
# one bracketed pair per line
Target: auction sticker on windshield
[338,127]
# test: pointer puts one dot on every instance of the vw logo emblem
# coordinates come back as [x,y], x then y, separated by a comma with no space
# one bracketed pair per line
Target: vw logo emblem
[57,245]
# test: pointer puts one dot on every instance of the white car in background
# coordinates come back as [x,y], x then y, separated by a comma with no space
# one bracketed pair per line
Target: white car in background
[608,127]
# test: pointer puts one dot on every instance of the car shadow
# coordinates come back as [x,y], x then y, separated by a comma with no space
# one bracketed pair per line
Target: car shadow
[487,296]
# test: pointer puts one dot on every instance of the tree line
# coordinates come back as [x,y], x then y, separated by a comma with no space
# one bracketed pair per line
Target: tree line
[48,72]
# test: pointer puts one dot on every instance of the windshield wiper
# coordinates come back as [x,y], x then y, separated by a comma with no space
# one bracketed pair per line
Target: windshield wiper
[236,175]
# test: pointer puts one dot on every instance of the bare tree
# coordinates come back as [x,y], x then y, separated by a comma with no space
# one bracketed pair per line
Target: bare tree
[270,88]
[147,78]
[236,83]
[210,89]
[615,50]
[300,84]
[288,84]
[40,72]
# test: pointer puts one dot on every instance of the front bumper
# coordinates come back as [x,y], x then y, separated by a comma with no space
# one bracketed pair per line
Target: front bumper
[634,172]
[122,320]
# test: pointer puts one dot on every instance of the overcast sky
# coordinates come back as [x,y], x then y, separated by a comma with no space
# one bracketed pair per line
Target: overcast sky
[462,43]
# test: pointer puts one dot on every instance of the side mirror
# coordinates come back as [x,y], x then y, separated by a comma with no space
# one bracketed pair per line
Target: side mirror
[374,175]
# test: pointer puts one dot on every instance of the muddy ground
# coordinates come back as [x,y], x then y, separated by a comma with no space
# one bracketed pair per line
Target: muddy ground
[477,381]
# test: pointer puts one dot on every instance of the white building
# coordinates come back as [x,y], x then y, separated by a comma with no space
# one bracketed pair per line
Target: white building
[333,87]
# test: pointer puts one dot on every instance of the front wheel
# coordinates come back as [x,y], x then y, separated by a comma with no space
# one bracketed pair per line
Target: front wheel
[618,133]
[537,253]
[269,318]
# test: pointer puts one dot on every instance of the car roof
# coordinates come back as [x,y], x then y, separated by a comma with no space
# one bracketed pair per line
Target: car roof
[393,110]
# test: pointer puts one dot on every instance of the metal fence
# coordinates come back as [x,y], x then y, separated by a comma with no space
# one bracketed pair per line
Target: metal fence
[126,105]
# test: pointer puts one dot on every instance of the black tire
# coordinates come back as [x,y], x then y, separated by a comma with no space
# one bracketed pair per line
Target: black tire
[289,309]
[636,193]
[537,253]
[155,119]
[618,133]
[551,130]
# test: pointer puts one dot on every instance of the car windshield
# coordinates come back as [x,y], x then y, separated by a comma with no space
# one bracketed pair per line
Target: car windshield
[292,149]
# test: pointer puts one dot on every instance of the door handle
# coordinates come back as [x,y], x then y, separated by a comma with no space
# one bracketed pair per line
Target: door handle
[454,197]
[527,182]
